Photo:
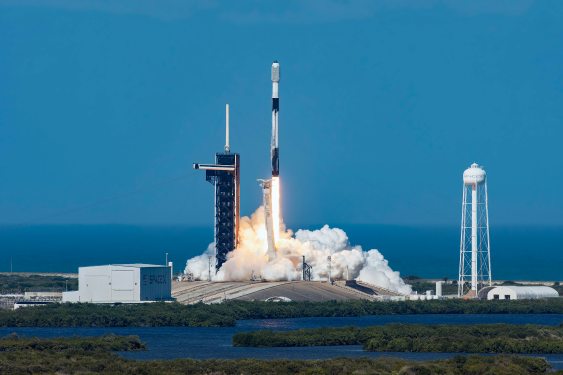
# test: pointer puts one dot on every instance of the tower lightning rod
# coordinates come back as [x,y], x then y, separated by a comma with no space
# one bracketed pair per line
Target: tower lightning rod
[227,146]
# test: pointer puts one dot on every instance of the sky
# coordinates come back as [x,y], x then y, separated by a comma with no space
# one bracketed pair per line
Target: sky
[105,105]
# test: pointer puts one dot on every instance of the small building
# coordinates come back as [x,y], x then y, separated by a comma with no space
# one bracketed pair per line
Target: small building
[43,296]
[20,304]
[122,283]
[511,292]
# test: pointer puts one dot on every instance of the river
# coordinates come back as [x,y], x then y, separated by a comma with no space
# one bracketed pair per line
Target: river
[206,343]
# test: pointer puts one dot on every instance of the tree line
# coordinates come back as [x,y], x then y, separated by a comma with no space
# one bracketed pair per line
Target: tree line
[481,338]
[226,314]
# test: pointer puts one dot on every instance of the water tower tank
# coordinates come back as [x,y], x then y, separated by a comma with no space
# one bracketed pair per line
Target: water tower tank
[474,175]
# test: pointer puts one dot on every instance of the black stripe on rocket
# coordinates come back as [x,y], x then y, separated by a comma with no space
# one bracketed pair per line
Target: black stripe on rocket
[275,150]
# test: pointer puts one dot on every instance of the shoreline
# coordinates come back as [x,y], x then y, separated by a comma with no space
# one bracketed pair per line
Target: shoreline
[430,280]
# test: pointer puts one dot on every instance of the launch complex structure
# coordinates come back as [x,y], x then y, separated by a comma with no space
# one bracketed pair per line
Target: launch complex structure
[224,175]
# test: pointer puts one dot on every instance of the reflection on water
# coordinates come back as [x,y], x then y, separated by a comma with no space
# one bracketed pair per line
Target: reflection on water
[205,343]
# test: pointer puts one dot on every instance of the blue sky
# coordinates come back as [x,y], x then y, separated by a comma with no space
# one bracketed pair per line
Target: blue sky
[104,105]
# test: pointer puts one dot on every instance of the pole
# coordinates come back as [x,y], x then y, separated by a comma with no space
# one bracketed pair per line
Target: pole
[329,258]
[488,238]
[227,145]
[209,268]
[474,238]
[462,249]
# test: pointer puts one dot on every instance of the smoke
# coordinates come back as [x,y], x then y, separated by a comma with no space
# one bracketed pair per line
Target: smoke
[250,259]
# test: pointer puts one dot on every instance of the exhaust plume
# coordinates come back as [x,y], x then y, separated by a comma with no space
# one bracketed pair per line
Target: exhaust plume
[250,259]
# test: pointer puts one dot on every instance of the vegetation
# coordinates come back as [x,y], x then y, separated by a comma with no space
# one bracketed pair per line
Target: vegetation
[14,343]
[19,283]
[486,338]
[127,315]
[226,314]
[94,355]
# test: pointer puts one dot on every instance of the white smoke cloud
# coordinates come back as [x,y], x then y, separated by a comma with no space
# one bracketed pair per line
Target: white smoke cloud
[250,258]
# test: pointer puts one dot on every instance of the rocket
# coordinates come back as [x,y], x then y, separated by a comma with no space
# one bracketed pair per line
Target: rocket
[271,187]
[275,153]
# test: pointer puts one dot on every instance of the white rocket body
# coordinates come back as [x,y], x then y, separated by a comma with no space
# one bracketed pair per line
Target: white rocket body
[275,155]
[269,185]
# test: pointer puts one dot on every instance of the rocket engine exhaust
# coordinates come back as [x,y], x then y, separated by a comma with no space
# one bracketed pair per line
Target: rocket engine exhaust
[276,209]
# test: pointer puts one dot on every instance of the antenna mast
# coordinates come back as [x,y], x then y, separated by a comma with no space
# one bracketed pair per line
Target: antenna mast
[227,146]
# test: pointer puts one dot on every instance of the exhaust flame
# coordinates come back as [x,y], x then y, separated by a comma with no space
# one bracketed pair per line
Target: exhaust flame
[276,211]
[250,259]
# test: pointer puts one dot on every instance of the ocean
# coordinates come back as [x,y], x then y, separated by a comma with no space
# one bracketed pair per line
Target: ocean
[518,253]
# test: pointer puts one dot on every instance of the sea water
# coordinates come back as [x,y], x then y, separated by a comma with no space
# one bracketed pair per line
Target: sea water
[518,253]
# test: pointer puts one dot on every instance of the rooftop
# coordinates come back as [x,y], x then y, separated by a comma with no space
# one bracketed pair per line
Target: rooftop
[132,265]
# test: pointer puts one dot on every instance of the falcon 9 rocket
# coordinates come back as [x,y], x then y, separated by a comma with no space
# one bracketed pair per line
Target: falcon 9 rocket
[271,187]
[275,153]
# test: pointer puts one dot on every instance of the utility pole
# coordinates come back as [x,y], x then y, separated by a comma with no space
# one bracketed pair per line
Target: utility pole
[209,268]
[329,258]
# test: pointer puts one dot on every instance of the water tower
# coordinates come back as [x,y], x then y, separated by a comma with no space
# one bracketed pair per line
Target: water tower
[475,249]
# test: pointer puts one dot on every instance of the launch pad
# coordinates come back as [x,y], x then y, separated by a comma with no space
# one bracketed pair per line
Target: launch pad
[315,291]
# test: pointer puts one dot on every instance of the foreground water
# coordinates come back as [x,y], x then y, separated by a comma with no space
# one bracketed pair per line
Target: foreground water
[206,343]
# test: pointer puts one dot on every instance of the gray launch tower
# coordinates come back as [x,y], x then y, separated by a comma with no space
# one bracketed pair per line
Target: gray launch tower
[224,175]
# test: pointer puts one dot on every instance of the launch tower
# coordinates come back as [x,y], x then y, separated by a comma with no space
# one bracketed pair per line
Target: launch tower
[475,247]
[224,175]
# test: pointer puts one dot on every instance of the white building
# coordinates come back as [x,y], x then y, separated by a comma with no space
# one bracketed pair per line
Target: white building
[122,283]
[521,292]
[43,296]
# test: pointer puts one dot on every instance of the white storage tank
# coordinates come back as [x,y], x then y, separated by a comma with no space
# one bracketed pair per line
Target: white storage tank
[122,283]
[439,288]
[521,292]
